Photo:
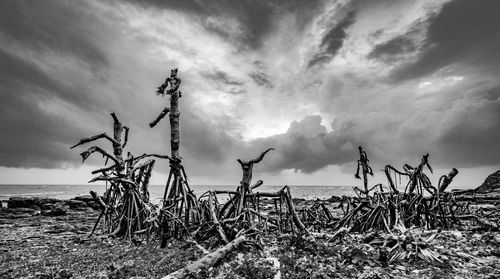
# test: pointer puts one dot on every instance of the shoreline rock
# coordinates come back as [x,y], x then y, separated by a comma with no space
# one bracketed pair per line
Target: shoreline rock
[490,184]
[23,207]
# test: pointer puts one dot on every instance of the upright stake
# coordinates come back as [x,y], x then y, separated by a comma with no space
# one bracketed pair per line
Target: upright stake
[365,169]
[177,188]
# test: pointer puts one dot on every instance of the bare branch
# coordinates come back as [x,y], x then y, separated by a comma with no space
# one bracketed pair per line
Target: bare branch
[93,138]
[145,155]
[104,169]
[257,184]
[126,136]
[258,159]
[425,162]
[93,149]
[395,170]
[115,118]
[162,114]
[100,178]
[138,166]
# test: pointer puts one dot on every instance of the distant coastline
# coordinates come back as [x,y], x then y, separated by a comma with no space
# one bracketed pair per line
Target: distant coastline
[71,191]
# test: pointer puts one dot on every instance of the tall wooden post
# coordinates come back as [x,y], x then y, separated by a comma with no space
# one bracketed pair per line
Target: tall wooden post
[178,200]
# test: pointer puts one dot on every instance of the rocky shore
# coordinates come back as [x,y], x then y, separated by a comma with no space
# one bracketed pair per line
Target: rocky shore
[49,238]
[20,207]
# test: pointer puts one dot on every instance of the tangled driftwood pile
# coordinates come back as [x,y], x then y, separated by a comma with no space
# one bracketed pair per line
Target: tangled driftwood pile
[419,204]
[239,217]
[242,210]
[125,205]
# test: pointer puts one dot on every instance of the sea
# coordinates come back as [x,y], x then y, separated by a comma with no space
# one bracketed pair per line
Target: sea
[156,191]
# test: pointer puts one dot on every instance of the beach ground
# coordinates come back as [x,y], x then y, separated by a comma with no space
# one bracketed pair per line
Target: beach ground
[37,246]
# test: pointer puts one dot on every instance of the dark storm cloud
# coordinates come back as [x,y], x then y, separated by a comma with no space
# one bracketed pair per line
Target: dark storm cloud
[393,49]
[256,16]
[34,133]
[31,137]
[464,135]
[205,140]
[23,78]
[333,41]
[462,32]
[305,147]
[50,25]
[470,130]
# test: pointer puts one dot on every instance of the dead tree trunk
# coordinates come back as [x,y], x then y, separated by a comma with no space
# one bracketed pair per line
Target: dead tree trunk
[178,199]
[244,188]
[125,205]
[365,169]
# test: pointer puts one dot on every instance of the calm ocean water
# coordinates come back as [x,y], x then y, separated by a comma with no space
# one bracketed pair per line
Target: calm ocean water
[156,191]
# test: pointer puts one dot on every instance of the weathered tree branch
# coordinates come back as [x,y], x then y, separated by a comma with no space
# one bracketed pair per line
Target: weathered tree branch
[138,166]
[291,208]
[126,136]
[93,149]
[93,138]
[215,220]
[258,159]
[445,180]
[257,184]
[146,155]
[162,114]
[208,260]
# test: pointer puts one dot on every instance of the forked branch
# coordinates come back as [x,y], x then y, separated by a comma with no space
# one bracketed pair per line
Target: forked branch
[258,159]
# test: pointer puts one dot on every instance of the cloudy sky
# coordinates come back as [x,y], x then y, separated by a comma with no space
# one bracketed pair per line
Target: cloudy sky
[312,78]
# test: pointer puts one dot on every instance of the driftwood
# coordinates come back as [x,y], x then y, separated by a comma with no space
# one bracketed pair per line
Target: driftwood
[420,204]
[242,211]
[244,189]
[180,208]
[365,169]
[215,220]
[208,260]
[125,207]
[333,236]
[445,180]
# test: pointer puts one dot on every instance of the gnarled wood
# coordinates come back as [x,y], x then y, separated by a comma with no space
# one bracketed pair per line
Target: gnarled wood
[128,196]
[208,260]
[445,180]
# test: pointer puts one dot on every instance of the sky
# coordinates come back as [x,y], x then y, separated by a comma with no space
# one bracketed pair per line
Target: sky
[312,78]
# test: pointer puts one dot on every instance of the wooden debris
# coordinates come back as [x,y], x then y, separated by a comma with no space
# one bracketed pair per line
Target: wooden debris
[208,260]
[180,208]
[125,205]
